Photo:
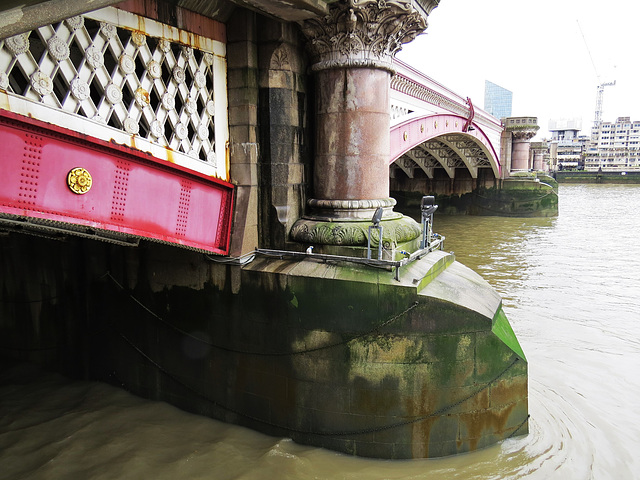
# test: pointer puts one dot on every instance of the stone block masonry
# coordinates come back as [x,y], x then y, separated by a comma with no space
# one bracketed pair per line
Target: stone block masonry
[333,355]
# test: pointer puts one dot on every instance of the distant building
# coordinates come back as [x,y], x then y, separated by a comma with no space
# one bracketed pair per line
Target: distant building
[614,146]
[567,148]
[497,100]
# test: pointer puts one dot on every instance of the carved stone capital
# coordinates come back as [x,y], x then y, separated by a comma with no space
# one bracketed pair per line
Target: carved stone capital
[363,33]
[524,135]
[395,231]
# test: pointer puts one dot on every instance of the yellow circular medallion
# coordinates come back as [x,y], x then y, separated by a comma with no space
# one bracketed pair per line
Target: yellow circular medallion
[79,180]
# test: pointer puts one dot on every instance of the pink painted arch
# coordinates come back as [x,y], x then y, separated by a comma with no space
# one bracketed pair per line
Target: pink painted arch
[411,133]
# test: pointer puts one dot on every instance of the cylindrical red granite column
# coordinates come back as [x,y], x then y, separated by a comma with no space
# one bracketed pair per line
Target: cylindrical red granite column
[520,153]
[352,140]
[538,159]
[351,51]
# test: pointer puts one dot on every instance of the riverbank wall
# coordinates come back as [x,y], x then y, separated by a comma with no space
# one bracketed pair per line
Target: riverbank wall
[598,177]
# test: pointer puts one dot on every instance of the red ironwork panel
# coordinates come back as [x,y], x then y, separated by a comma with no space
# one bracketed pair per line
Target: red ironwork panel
[129,192]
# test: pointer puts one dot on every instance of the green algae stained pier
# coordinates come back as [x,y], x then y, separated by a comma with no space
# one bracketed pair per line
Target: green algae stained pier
[424,367]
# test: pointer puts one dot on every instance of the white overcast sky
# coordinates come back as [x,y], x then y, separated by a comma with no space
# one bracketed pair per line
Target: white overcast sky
[536,50]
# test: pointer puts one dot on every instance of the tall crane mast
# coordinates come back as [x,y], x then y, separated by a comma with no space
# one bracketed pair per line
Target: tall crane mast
[600,90]
[599,98]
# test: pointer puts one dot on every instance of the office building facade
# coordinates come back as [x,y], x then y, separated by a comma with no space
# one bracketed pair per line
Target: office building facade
[497,100]
[614,146]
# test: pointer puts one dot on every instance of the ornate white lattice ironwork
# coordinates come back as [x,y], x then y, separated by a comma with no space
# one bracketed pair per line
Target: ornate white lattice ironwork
[155,88]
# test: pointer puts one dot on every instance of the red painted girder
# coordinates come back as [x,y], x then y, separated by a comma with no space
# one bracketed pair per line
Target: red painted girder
[132,192]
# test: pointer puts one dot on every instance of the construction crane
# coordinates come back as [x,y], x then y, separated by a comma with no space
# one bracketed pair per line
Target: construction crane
[600,89]
[599,97]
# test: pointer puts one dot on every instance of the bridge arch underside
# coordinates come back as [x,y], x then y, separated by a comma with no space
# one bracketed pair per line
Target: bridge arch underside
[448,164]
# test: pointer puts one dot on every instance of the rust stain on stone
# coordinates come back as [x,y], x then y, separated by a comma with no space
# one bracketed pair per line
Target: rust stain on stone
[490,422]
[421,431]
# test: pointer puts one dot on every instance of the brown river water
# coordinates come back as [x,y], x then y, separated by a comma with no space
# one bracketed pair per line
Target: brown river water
[571,288]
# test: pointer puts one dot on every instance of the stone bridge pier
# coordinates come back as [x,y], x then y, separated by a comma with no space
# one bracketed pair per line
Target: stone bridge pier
[522,129]
[352,50]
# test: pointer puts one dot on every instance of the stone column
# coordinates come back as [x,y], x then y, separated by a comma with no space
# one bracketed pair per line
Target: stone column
[522,129]
[242,67]
[539,149]
[351,51]
[352,152]
[520,151]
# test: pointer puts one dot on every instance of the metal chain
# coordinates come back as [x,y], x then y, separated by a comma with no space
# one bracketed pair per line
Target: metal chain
[438,413]
[512,434]
[270,354]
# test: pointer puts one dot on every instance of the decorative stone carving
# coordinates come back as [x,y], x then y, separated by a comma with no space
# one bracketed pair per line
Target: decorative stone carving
[18,44]
[127,64]
[187,52]
[154,69]
[280,59]
[94,57]
[333,233]
[200,79]
[58,48]
[142,97]
[395,231]
[138,38]
[211,108]
[181,131]
[523,135]
[156,129]
[168,101]
[203,131]
[131,126]
[75,23]
[79,89]
[362,33]
[41,83]
[164,45]
[178,74]
[113,93]
[4,81]
[108,30]
[191,106]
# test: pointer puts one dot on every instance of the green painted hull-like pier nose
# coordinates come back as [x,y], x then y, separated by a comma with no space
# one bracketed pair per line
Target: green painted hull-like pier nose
[425,366]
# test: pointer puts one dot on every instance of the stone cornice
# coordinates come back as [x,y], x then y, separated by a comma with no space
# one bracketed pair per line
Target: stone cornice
[403,84]
[363,33]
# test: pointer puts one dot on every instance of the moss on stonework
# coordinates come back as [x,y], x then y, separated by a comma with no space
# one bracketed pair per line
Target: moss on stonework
[528,195]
